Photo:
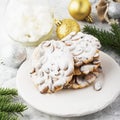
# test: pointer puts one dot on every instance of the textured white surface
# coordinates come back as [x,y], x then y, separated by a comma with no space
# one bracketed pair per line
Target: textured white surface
[112,112]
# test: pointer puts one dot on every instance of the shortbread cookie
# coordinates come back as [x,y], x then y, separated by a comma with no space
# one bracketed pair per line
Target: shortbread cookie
[79,82]
[82,46]
[53,66]
[82,81]
[89,67]
[85,69]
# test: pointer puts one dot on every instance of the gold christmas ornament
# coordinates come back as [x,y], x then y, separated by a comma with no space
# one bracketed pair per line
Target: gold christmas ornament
[66,26]
[80,10]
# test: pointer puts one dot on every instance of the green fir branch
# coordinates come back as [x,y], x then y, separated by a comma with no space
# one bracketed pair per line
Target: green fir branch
[5,98]
[7,116]
[109,39]
[9,107]
[116,30]
[13,107]
[7,91]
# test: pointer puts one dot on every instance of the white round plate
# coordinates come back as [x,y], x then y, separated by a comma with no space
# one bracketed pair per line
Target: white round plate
[69,103]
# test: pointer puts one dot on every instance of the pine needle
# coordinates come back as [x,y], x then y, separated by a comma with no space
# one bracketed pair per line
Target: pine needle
[5,98]
[7,116]
[110,40]
[9,108]
[13,107]
[7,91]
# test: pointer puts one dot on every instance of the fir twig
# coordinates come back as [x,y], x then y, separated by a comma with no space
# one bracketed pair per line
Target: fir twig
[5,98]
[7,116]
[7,91]
[109,39]
[13,107]
[9,108]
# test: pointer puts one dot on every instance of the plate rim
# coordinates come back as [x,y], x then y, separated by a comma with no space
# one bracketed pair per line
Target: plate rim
[77,114]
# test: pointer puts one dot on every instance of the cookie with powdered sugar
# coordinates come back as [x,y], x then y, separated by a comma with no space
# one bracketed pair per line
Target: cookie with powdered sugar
[53,66]
[82,81]
[84,47]
[89,67]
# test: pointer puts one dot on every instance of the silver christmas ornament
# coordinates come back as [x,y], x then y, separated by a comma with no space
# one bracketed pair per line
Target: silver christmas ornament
[12,55]
[114,10]
[108,10]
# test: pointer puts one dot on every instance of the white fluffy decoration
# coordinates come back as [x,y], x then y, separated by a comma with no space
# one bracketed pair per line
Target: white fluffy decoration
[28,22]
[12,55]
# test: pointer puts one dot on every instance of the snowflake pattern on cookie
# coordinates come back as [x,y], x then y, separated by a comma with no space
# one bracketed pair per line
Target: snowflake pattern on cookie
[82,46]
[53,66]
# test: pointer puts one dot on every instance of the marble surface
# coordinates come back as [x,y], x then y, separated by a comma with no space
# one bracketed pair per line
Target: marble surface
[8,75]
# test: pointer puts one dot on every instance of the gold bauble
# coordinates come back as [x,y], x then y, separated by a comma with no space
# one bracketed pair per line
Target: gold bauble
[80,10]
[66,26]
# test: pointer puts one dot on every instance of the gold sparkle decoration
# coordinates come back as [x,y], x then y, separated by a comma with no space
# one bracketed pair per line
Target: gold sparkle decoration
[66,26]
[80,10]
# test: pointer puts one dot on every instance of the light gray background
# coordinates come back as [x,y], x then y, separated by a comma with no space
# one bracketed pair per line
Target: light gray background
[7,75]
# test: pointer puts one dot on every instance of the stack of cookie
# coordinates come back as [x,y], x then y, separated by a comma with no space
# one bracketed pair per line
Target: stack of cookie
[70,63]
[85,52]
